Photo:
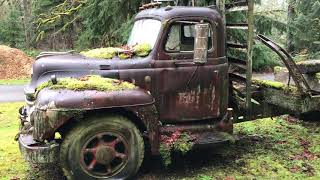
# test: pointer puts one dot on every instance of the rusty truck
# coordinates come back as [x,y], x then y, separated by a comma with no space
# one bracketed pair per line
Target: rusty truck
[185,84]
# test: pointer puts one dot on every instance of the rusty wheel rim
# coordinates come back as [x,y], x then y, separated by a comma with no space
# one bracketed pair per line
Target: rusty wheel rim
[104,154]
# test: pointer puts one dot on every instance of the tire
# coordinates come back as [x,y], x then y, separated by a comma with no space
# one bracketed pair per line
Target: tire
[109,147]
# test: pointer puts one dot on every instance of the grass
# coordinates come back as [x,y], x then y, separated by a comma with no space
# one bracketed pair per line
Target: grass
[14,81]
[12,165]
[283,148]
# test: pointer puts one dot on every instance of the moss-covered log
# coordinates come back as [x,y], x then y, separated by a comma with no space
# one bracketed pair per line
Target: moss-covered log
[309,67]
[276,85]
[292,102]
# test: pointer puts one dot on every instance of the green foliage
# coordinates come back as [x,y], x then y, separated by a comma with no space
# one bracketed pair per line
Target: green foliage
[204,177]
[106,22]
[165,152]
[263,58]
[33,53]
[57,20]
[11,30]
[178,142]
[265,24]
[307,25]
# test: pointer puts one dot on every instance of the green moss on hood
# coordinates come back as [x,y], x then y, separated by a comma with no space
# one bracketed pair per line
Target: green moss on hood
[93,82]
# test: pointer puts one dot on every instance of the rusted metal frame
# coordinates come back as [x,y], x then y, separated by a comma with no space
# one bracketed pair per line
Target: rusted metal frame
[237,45]
[294,71]
[249,47]
[243,26]
[249,57]
[212,126]
[237,78]
[238,63]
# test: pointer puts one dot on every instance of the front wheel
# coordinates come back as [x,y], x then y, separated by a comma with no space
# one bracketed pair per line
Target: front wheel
[102,148]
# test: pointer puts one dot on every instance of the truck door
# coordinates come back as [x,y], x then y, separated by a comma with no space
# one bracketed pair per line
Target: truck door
[185,91]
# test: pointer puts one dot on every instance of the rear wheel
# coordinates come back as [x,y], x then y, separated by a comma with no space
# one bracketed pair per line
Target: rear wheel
[102,148]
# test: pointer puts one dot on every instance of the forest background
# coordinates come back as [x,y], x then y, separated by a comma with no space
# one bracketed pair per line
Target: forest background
[37,25]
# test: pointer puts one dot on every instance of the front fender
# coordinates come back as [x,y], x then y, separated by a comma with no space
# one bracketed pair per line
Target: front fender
[56,107]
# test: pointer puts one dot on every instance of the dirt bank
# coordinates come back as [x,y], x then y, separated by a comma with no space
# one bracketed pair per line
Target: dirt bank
[14,63]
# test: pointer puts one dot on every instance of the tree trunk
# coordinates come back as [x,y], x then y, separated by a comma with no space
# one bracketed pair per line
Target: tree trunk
[26,21]
[291,17]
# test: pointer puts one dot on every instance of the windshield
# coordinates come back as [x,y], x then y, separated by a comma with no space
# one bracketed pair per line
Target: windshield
[145,31]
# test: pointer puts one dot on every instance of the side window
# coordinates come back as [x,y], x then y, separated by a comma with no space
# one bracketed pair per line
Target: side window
[181,38]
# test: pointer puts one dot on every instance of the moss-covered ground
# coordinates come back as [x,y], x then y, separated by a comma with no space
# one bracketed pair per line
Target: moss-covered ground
[283,148]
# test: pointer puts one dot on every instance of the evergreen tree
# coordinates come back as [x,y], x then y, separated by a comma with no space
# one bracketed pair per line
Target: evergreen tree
[11,31]
[307,25]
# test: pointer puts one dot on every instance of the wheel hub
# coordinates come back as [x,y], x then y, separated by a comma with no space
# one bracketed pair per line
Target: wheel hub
[105,155]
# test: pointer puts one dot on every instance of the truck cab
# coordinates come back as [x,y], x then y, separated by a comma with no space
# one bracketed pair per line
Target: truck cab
[181,86]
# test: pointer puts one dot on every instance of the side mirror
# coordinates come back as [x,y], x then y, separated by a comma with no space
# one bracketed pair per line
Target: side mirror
[201,43]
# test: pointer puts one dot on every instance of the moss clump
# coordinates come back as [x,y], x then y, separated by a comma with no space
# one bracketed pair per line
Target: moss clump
[318,76]
[275,85]
[142,50]
[178,142]
[124,56]
[103,53]
[124,52]
[88,83]
[279,69]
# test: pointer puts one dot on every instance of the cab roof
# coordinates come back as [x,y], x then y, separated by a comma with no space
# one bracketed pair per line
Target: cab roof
[170,12]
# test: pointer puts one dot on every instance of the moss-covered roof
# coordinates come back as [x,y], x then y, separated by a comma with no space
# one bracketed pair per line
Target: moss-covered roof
[92,82]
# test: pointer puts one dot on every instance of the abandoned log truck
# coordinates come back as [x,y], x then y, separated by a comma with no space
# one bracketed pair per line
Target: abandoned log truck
[109,113]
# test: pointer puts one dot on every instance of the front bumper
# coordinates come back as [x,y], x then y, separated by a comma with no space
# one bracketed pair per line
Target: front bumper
[40,153]
[33,151]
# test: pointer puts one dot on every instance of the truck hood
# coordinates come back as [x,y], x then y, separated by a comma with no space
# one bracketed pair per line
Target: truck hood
[76,65]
